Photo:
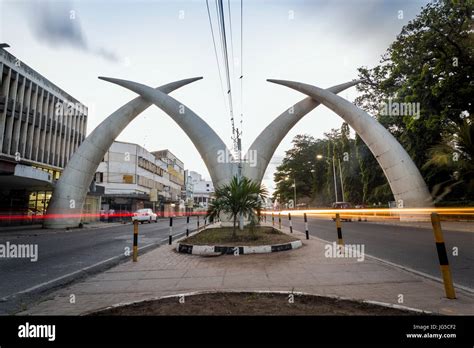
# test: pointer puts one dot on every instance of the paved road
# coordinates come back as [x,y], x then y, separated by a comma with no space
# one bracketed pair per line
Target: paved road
[407,246]
[62,253]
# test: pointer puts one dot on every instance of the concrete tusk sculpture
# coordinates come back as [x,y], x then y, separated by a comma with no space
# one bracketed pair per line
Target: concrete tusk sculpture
[216,156]
[210,146]
[65,207]
[405,180]
[265,145]
[218,159]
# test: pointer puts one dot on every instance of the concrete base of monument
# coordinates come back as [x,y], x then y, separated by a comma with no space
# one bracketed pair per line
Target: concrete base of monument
[226,220]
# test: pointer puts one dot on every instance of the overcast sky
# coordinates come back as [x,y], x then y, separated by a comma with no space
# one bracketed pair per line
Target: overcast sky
[156,42]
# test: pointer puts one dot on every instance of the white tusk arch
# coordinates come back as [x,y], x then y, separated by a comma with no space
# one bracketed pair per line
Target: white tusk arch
[403,176]
[65,207]
[209,145]
[265,145]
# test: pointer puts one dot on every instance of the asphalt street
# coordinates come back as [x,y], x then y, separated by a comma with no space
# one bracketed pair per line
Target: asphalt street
[407,246]
[61,253]
[66,252]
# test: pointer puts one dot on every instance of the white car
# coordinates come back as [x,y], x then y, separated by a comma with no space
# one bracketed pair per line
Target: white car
[144,215]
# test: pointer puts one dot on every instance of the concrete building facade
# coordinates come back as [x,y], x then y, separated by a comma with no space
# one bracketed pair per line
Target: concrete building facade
[203,190]
[40,128]
[187,194]
[175,169]
[134,178]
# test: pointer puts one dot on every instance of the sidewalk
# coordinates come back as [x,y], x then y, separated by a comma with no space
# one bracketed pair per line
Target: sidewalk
[163,271]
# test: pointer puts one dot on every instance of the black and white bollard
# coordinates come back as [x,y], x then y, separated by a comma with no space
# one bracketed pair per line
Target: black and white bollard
[170,237]
[291,225]
[135,241]
[340,241]
[187,226]
[306,226]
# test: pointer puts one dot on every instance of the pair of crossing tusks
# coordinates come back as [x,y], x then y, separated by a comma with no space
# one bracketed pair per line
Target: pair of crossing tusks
[403,176]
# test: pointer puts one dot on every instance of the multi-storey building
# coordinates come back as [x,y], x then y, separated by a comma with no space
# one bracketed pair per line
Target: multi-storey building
[134,178]
[203,190]
[40,128]
[187,194]
[175,168]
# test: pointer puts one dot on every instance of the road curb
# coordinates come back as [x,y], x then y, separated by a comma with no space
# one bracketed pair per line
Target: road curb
[202,292]
[215,250]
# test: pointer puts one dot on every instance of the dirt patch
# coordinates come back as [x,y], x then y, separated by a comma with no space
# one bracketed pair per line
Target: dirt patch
[261,235]
[228,303]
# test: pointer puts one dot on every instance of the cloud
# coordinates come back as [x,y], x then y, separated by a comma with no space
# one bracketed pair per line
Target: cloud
[105,53]
[367,20]
[56,23]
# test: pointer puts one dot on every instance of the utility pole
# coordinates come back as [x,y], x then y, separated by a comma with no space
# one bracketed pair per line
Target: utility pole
[238,144]
[294,187]
[342,184]
[334,174]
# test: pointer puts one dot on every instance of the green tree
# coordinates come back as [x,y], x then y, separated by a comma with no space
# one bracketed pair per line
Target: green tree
[311,162]
[294,168]
[455,154]
[431,64]
[241,196]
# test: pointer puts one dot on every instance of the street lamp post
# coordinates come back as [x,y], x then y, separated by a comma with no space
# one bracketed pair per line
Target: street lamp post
[342,183]
[319,157]
[334,175]
[294,189]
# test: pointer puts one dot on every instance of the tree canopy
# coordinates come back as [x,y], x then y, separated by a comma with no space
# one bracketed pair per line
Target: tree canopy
[429,66]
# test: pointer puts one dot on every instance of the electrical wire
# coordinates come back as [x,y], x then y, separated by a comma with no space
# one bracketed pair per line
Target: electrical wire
[215,52]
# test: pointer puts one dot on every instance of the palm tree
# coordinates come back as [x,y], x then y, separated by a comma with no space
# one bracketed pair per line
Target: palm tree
[240,197]
[455,153]
[456,149]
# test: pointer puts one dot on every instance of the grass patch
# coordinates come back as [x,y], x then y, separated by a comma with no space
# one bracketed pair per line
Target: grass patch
[222,236]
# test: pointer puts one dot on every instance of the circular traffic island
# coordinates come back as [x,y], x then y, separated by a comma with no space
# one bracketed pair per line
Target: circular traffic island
[216,241]
[252,303]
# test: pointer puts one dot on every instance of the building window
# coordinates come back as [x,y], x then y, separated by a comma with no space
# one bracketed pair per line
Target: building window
[38,202]
[99,177]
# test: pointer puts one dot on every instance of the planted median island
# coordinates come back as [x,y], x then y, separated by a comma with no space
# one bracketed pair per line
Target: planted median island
[239,203]
[259,235]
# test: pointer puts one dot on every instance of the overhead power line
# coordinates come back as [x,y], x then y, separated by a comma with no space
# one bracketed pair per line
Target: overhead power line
[241,63]
[221,20]
[224,49]
[215,52]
